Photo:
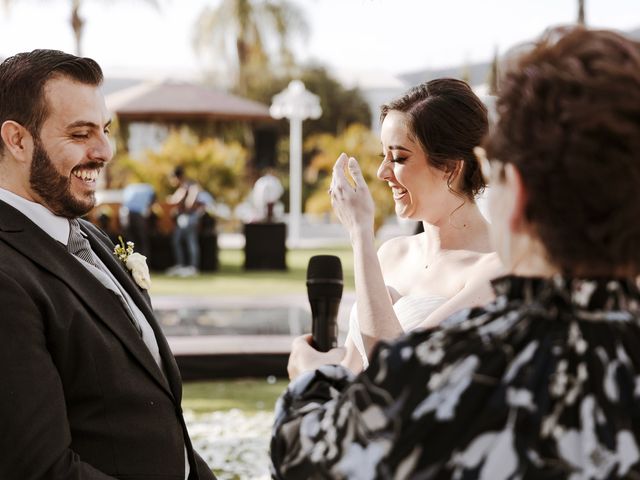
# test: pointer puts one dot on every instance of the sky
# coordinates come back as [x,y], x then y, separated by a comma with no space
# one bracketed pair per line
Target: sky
[130,38]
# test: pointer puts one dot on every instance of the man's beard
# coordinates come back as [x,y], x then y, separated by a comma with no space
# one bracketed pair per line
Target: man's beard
[54,189]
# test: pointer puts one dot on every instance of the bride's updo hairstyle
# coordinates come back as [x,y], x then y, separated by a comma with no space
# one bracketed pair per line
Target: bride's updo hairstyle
[448,120]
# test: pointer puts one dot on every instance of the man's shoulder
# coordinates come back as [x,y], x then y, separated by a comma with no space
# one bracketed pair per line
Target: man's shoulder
[16,266]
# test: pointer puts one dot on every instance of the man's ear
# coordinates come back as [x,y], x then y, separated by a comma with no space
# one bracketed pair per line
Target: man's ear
[518,196]
[17,140]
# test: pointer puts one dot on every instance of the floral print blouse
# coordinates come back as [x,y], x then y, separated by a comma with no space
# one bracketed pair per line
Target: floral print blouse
[542,383]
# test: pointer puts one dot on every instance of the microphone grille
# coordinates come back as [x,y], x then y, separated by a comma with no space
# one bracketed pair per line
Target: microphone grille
[324,267]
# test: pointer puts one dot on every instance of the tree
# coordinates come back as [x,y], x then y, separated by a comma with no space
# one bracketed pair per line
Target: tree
[357,141]
[341,107]
[219,167]
[76,21]
[245,34]
[581,13]
[492,79]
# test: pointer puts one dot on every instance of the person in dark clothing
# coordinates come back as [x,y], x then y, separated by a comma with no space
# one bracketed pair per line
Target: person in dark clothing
[543,381]
[188,210]
[89,387]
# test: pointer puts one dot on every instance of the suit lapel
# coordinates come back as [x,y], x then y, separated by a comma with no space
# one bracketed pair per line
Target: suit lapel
[35,244]
[103,248]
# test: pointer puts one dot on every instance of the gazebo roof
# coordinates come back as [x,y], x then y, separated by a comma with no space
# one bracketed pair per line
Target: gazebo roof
[179,101]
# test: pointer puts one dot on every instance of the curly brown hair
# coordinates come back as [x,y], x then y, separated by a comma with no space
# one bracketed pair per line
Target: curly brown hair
[448,120]
[569,120]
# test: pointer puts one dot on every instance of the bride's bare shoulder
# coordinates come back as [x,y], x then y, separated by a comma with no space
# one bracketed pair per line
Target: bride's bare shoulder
[397,248]
[488,265]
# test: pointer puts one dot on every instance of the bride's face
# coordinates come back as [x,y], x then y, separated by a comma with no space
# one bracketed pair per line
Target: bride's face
[419,190]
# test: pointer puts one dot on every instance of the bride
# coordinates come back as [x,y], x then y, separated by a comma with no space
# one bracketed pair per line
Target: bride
[428,136]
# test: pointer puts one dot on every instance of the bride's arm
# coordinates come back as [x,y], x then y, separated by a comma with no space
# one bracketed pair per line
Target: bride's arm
[355,210]
[353,358]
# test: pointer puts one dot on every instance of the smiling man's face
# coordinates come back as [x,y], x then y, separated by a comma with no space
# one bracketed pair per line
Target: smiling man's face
[72,148]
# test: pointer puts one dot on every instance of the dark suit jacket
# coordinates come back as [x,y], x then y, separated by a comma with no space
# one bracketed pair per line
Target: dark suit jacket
[81,397]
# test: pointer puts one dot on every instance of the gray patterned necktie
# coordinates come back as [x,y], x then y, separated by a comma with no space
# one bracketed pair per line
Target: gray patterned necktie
[79,246]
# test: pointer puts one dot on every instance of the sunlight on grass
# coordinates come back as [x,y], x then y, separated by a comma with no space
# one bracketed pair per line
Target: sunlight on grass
[232,279]
[248,395]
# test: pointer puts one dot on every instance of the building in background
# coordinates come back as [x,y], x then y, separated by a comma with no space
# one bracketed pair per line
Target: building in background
[148,111]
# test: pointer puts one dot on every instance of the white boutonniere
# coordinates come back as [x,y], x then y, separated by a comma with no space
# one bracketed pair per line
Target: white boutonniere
[135,263]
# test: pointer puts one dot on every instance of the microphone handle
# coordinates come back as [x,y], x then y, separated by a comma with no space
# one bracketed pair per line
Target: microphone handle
[324,325]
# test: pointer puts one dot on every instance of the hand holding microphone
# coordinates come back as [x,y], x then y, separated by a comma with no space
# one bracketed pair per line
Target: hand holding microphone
[324,287]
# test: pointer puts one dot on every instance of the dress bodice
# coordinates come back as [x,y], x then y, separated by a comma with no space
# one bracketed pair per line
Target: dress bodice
[411,311]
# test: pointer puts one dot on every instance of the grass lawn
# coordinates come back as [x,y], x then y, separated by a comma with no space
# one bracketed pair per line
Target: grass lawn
[251,395]
[232,279]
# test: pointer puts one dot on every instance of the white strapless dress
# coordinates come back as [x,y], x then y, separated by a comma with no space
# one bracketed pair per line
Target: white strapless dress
[411,311]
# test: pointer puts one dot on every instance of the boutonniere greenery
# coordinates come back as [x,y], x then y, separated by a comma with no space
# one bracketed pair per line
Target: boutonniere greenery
[135,263]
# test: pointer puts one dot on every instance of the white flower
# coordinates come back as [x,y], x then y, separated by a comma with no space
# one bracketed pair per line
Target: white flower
[137,263]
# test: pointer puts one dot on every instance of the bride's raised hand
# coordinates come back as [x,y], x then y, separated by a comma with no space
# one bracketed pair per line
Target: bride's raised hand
[351,202]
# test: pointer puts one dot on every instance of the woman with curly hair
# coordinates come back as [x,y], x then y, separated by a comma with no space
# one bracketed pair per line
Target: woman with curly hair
[543,382]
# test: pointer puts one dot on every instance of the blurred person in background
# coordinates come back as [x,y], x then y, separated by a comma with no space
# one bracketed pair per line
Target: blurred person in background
[265,194]
[187,211]
[543,381]
[428,136]
[137,199]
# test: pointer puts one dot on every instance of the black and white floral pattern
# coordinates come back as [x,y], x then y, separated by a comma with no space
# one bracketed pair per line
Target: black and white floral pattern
[542,383]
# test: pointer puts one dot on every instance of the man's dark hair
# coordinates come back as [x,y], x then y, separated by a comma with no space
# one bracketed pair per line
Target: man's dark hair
[448,120]
[22,80]
[569,120]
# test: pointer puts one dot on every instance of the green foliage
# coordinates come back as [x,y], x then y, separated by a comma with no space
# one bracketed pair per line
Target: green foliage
[218,167]
[356,141]
[340,106]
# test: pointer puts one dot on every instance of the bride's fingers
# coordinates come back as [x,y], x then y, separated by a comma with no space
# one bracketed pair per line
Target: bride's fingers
[356,173]
[338,177]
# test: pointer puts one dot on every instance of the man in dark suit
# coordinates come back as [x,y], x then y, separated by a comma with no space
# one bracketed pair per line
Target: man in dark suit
[88,386]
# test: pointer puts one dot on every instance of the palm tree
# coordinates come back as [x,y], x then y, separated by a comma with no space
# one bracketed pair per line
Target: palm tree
[581,19]
[492,79]
[245,33]
[76,21]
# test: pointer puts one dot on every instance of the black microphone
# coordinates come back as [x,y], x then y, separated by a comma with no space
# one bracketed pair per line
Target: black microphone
[324,287]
